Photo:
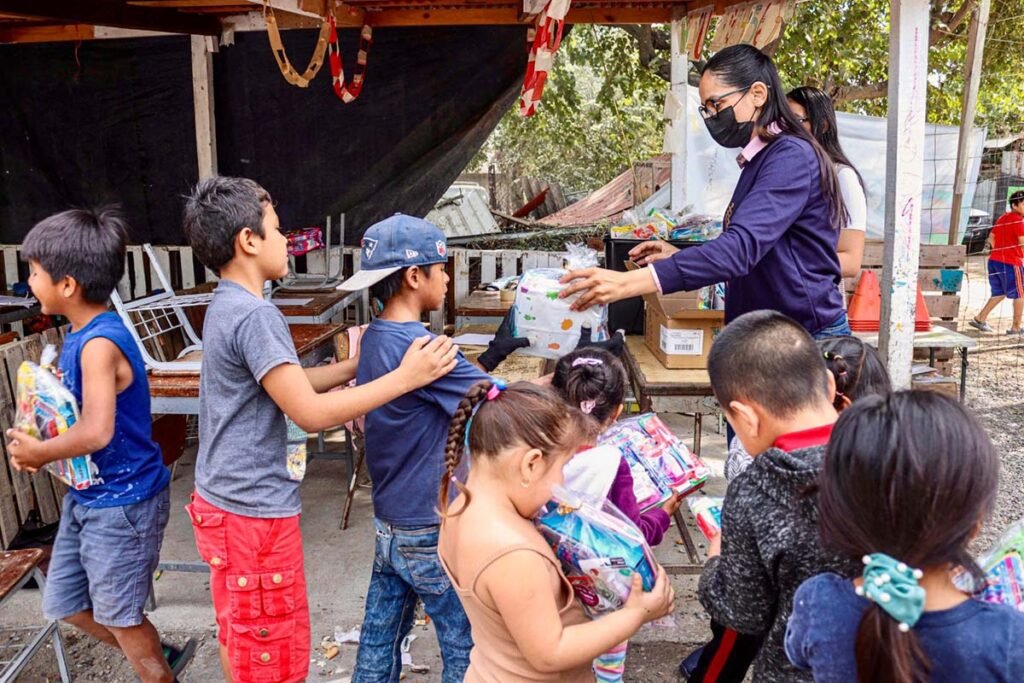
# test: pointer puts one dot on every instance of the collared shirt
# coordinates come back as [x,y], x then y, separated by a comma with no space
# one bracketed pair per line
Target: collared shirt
[807,438]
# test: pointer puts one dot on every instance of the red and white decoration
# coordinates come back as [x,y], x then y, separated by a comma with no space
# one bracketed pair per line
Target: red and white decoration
[544,38]
[348,92]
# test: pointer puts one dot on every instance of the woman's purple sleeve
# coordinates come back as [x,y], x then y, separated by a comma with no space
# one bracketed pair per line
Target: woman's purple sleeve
[653,523]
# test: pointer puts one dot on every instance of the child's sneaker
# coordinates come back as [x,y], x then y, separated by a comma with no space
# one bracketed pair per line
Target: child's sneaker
[978,325]
[179,657]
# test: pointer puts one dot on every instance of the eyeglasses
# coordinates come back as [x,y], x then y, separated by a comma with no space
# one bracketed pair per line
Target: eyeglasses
[716,103]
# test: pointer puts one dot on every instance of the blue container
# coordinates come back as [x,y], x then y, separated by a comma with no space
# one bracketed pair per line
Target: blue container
[951,280]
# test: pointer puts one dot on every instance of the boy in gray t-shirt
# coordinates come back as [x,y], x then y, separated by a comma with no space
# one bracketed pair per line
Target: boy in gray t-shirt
[245,510]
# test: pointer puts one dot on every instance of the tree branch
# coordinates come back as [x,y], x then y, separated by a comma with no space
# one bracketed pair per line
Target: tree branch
[870,91]
[944,27]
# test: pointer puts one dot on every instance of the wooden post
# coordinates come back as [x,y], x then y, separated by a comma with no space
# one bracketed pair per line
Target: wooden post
[975,52]
[680,67]
[202,98]
[904,175]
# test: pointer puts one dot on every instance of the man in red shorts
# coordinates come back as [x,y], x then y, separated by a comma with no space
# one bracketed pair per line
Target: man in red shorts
[1006,265]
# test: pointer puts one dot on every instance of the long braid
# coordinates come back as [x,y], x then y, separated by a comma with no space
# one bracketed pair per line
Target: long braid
[456,446]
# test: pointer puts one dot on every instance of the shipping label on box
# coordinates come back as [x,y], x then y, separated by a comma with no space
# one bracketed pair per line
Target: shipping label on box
[682,342]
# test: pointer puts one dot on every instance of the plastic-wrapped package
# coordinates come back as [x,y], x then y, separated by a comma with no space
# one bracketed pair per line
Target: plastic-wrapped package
[47,409]
[707,510]
[1004,569]
[599,549]
[671,466]
[544,319]
[296,457]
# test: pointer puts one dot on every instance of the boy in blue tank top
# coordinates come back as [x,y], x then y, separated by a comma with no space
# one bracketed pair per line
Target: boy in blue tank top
[108,543]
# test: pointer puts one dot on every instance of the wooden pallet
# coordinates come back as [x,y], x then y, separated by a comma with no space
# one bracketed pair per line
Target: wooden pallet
[20,493]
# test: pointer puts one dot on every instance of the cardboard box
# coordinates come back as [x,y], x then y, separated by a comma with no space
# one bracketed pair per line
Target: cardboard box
[676,331]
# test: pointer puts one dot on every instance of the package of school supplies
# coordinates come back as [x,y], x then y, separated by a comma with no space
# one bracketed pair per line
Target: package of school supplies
[647,441]
[707,510]
[47,409]
[544,319]
[599,548]
[1004,569]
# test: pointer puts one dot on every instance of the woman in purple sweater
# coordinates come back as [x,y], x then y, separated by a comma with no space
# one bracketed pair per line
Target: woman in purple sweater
[778,247]
[594,381]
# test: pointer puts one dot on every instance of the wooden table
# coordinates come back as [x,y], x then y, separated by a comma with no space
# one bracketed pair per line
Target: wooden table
[660,390]
[481,307]
[322,308]
[178,394]
[16,568]
[938,338]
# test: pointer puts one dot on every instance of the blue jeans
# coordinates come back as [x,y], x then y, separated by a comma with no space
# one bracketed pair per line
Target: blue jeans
[406,568]
[840,327]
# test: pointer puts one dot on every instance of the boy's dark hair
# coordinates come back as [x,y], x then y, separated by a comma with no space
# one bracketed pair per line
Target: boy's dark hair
[767,358]
[216,211]
[1016,198]
[392,284]
[86,244]
[857,368]
[591,378]
[524,413]
[911,475]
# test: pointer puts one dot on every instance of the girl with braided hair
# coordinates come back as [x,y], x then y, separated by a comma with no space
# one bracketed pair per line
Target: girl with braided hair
[527,625]
[858,371]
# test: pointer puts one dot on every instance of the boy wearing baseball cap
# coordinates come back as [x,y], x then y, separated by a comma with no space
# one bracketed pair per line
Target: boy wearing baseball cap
[403,265]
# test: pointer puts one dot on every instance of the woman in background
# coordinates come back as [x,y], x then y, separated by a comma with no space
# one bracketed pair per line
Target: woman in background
[813,108]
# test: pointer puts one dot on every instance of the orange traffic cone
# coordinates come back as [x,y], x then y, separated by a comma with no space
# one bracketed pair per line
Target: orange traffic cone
[922,321]
[865,309]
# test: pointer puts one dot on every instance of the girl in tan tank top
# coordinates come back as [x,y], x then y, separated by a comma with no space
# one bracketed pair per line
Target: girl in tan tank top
[527,625]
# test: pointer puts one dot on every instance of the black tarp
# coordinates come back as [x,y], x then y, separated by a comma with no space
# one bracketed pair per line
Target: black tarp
[112,121]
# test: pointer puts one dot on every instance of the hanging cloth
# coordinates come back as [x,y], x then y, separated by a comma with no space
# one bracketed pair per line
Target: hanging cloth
[277,47]
[544,38]
[348,92]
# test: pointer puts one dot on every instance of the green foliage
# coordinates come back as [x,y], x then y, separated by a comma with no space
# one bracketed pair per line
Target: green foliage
[602,108]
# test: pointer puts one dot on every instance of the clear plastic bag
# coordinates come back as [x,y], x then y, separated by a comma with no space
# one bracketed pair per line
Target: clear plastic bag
[599,548]
[1004,570]
[544,319]
[47,409]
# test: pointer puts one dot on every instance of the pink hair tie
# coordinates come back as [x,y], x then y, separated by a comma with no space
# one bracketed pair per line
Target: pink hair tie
[493,392]
[587,361]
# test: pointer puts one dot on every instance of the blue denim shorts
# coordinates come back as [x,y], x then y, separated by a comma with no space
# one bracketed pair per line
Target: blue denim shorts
[840,327]
[104,558]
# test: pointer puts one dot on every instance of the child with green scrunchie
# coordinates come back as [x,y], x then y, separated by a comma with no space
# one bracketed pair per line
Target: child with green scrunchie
[908,481]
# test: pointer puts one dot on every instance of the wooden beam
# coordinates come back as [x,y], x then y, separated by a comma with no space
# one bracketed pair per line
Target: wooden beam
[904,178]
[112,13]
[680,68]
[502,16]
[316,9]
[975,53]
[202,98]
[36,33]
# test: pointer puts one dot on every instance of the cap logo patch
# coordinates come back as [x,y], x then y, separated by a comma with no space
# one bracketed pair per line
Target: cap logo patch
[411,253]
[369,245]
[442,250]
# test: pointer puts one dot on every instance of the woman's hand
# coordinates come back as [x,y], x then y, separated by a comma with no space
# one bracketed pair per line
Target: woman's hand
[715,545]
[656,604]
[600,286]
[648,252]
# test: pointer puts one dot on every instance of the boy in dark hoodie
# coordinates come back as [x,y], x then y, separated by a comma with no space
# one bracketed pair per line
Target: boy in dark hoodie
[775,390]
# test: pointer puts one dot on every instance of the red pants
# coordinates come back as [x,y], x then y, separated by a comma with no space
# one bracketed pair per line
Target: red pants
[259,591]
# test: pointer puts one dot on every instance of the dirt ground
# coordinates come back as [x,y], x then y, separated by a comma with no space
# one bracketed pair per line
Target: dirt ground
[338,562]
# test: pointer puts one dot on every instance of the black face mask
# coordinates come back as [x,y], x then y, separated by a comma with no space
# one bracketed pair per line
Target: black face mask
[726,132]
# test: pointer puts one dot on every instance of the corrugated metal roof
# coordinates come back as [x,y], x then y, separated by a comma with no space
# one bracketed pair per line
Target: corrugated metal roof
[609,201]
